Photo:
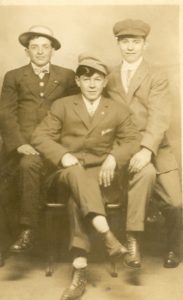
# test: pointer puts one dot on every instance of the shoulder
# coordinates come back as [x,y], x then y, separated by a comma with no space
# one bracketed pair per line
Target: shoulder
[62,70]
[65,101]
[14,73]
[156,72]
[119,108]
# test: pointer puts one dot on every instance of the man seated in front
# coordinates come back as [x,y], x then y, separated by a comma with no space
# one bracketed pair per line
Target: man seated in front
[89,139]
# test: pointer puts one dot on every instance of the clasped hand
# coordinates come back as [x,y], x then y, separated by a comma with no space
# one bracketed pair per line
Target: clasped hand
[140,160]
[107,170]
[27,149]
[106,174]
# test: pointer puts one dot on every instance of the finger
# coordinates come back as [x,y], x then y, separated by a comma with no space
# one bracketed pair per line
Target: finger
[100,178]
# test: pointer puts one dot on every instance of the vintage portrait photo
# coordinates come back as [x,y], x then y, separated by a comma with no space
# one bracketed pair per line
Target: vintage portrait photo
[91,150]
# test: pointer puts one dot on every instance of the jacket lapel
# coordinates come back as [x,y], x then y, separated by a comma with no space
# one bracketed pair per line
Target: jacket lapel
[52,82]
[81,110]
[137,79]
[100,113]
[118,82]
[31,80]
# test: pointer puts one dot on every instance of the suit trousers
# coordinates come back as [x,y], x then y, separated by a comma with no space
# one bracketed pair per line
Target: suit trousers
[31,171]
[168,197]
[86,197]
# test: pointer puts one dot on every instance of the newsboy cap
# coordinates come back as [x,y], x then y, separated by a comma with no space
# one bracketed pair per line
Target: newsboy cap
[91,61]
[131,27]
[40,30]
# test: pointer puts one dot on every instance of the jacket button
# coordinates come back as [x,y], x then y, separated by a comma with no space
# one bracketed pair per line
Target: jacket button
[41,94]
[41,83]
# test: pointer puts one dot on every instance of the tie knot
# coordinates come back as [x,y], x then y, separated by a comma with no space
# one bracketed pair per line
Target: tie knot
[43,70]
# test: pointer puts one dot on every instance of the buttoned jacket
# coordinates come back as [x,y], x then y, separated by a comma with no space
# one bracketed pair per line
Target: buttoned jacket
[68,128]
[22,106]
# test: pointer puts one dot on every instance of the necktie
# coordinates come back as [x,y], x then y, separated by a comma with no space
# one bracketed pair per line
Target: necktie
[41,71]
[128,77]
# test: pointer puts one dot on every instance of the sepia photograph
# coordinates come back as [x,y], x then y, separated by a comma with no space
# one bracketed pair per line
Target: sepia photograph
[91,150]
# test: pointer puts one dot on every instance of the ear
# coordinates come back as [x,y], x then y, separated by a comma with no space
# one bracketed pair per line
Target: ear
[27,52]
[77,81]
[105,81]
[146,44]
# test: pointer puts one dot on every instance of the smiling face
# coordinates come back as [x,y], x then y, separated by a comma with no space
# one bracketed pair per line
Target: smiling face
[40,51]
[132,48]
[91,86]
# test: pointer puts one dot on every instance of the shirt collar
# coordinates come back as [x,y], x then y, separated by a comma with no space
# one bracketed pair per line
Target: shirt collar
[46,67]
[132,66]
[95,103]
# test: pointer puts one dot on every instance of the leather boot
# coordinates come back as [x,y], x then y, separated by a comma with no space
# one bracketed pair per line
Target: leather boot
[1,259]
[113,246]
[171,260]
[24,242]
[133,259]
[77,287]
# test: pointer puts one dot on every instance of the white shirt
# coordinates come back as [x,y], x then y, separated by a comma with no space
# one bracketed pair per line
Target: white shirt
[128,71]
[41,71]
[91,106]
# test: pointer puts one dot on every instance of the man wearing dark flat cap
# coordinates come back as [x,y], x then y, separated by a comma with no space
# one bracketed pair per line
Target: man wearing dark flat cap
[27,95]
[144,89]
[89,140]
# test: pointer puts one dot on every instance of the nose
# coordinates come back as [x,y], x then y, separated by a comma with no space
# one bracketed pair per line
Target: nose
[130,45]
[92,83]
[40,50]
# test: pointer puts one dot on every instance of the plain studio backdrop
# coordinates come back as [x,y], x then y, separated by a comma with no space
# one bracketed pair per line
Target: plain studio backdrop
[88,28]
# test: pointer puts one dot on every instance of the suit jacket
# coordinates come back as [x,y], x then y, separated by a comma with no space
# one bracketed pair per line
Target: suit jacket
[21,106]
[149,102]
[68,128]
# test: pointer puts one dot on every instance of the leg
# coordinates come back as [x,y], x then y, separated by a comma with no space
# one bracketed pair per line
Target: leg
[168,197]
[139,193]
[30,171]
[90,204]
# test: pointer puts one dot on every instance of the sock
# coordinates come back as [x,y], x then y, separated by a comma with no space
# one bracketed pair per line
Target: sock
[100,224]
[80,262]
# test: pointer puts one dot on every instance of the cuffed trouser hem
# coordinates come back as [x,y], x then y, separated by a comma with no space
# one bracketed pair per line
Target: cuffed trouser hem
[80,243]
[26,221]
[135,227]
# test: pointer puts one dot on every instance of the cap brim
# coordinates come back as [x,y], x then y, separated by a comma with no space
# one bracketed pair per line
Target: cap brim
[26,36]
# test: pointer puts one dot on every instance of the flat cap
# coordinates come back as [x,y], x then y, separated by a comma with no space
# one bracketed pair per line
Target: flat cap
[92,61]
[39,30]
[131,27]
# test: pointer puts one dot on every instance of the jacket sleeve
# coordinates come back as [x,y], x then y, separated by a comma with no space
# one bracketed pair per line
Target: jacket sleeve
[46,137]
[127,140]
[159,108]
[9,125]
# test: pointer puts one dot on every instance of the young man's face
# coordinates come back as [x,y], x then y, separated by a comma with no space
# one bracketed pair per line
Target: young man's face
[40,51]
[132,48]
[91,87]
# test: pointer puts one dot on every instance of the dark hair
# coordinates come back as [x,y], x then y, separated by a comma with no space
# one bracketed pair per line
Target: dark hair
[32,37]
[87,71]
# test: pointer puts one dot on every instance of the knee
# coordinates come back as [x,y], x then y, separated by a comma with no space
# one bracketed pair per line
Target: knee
[71,174]
[149,173]
[30,162]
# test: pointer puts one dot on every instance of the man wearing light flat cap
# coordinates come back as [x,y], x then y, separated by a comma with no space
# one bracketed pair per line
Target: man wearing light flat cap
[27,94]
[144,89]
[89,139]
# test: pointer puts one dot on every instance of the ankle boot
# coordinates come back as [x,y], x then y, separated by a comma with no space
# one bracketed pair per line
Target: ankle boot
[133,259]
[113,246]
[77,287]
[24,241]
